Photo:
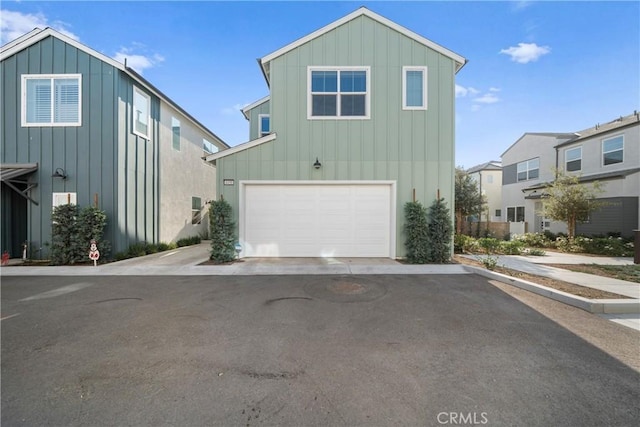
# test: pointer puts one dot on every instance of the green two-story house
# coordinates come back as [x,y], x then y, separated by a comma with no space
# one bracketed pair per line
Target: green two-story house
[359,120]
[78,127]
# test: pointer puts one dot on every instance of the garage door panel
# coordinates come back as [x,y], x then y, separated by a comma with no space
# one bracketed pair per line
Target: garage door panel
[321,220]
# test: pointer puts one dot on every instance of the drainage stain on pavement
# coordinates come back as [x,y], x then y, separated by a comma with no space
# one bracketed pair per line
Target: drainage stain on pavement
[345,289]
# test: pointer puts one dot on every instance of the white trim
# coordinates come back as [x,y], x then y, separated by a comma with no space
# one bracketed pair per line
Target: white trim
[602,152]
[241,147]
[460,61]
[393,207]
[133,112]
[423,69]
[52,78]
[262,133]
[338,69]
[567,161]
[61,198]
[173,147]
[253,105]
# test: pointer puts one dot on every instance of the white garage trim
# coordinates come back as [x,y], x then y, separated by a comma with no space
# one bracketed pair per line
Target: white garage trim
[242,208]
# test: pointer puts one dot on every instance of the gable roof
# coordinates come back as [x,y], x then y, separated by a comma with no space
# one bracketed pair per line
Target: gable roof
[556,135]
[38,34]
[362,11]
[492,165]
[613,125]
[245,110]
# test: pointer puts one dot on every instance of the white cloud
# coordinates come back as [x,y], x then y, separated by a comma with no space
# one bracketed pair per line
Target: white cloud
[15,24]
[520,5]
[487,98]
[494,89]
[137,61]
[462,91]
[526,52]
[235,109]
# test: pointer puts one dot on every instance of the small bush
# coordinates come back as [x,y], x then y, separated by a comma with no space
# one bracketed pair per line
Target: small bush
[119,256]
[550,236]
[536,252]
[137,249]
[489,244]
[536,240]
[439,233]
[489,262]
[188,241]
[514,247]
[222,232]
[609,246]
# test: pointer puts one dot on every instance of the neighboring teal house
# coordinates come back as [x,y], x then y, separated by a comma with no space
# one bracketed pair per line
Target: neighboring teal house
[77,126]
[359,118]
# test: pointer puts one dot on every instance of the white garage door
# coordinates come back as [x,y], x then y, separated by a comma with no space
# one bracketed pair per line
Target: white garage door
[317,220]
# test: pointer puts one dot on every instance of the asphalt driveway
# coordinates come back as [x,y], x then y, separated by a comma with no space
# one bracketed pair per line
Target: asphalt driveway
[300,350]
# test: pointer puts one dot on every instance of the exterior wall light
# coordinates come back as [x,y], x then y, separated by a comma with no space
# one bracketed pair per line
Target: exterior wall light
[317,164]
[59,173]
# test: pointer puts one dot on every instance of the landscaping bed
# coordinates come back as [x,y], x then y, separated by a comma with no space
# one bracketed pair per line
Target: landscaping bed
[630,273]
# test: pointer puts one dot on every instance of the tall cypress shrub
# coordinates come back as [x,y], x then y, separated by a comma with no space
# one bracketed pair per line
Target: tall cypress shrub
[416,230]
[439,233]
[222,230]
[64,232]
[91,224]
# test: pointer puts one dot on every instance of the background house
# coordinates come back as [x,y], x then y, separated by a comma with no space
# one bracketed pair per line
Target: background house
[488,178]
[80,127]
[608,153]
[359,118]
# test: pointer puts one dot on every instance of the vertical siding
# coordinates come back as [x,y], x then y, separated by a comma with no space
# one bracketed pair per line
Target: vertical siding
[86,152]
[254,122]
[414,148]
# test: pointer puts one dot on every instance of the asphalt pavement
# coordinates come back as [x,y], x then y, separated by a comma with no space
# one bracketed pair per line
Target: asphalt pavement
[307,350]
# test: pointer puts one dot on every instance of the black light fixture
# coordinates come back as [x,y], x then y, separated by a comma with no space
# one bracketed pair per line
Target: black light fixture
[59,173]
[317,164]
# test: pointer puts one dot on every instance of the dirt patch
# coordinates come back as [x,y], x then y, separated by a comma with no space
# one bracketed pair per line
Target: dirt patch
[570,288]
[630,273]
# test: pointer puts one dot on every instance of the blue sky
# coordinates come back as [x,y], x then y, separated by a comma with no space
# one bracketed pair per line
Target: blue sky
[533,66]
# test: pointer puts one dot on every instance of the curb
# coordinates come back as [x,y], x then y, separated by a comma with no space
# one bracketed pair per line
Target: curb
[597,306]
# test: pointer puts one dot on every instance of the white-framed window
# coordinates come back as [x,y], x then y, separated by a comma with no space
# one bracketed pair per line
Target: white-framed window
[64,199]
[613,150]
[175,133]
[196,210]
[141,113]
[51,100]
[264,122]
[208,147]
[529,169]
[498,213]
[338,92]
[515,214]
[573,159]
[414,88]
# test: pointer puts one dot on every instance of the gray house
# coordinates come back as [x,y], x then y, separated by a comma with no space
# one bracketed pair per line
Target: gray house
[359,119]
[79,127]
[608,153]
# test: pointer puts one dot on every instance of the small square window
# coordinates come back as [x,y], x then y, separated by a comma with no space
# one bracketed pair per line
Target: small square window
[265,125]
[498,212]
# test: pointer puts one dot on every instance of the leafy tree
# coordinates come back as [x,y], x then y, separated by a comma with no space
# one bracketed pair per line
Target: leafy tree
[567,200]
[439,233]
[417,231]
[222,232]
[468,200]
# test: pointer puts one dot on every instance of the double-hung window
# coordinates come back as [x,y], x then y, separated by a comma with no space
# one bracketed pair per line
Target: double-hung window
[265,125]
[338,92]
[613,150]
[175,131]
[141,113]
[573,159]
[51,100]
[414,88]
[529,169]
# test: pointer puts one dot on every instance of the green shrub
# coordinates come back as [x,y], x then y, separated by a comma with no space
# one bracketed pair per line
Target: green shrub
[417,230]
[550,236]
[64,235]
[536,252]
[489,244]
[91,224]
[222,232]
[188,241]
[489,262]
[137,249]
[439,233]
[513,247]
[609,246]
[536,240]
[119,256]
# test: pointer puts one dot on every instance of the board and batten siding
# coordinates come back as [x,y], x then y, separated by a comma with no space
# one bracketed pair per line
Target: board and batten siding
[254,119]
[102,156]
[414,148]
[85,152]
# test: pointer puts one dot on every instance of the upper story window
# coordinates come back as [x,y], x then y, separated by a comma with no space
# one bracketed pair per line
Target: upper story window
[208,147]
[529,169]
[414,88]
[196,210]
[338,93]
[265,125]
[141,113]
[175,131]
[613,150]
[489,179]
[573,159]
[51,100]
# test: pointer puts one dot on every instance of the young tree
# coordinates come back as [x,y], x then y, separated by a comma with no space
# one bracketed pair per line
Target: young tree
[439,233]
[468,199]
[569,201]
[222,232]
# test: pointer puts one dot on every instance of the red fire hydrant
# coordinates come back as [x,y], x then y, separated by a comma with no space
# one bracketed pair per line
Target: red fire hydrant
[5,258]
